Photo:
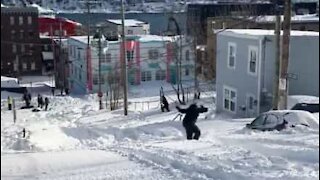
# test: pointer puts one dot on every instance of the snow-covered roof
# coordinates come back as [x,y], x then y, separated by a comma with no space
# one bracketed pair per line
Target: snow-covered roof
[41,9]
[4,78]
[296,18]
[149,38]
[140,38]
[263,32]
[127,22]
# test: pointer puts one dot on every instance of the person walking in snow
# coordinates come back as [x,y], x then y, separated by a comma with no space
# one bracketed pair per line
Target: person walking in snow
[9,103]
[40,101]
[190,119]
[46,103]
[164,104]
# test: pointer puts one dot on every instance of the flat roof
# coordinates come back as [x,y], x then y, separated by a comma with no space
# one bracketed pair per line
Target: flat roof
[263,32]
[140,38]
[127,22]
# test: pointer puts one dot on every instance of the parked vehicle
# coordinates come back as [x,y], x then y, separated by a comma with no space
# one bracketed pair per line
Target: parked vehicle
[310,107]
[305,103]
[281,119]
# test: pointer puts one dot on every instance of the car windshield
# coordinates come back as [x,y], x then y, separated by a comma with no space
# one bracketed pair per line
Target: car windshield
[259,120]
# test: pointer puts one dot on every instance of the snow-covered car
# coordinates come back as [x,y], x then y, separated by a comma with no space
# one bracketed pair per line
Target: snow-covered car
[281,119]
[305,103]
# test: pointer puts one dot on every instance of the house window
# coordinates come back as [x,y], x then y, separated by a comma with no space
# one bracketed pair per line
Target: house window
[146,76]
[106,58]
[187,72]
[29,20]
[11,20]
[45,47]
[15,66]
[31,33]
[160,75]
[187,55]
[24,66]
[23,49]
[33,66]
[153,54]
[229,99]
[130,55]
[253,58]
[20,20]
[14,48]
[95,79]
[13,34]
[232,55]
[21,34]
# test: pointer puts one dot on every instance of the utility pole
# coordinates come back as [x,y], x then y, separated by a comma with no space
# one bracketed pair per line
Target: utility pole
[89,66]
[124,63]
[285,55]
[99,54]
[275,100]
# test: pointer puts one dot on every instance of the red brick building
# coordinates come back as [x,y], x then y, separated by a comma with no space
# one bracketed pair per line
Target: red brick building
[20,42]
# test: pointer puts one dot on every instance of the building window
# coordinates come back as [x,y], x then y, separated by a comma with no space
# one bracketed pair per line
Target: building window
[160,75]
[13,34]
[130,55]
[24,66]
[31,33]
[130,31]
[187,73]
[106,58]
[232,55]
[20,20]
[14,48]
[146,76]
[253,58]
[21,34]
[11,20]
[229,99]
[33,66]
[23,49]
[29,20]
[153,54]
[95,79]
[15,66]
[187,55]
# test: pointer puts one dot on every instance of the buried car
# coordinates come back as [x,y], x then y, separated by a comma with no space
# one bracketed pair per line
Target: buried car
[281,119]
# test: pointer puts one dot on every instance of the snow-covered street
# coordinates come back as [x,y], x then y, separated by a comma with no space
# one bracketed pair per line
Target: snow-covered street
[73,140]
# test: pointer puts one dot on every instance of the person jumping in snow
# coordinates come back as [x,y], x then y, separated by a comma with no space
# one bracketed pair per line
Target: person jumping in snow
[190,119]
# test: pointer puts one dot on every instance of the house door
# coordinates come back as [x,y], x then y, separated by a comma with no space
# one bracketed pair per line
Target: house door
[251,106]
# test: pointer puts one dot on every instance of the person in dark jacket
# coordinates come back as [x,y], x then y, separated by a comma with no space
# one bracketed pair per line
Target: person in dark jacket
[46,103]
[190,119]
[164,104]
[40,101]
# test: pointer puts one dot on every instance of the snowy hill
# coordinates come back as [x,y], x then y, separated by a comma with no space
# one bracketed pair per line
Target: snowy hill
[73,140]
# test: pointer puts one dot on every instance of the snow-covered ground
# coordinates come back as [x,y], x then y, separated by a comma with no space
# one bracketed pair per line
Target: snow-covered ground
[74,140]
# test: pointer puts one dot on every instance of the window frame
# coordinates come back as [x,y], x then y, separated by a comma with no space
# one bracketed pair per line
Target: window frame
[229,99]
[256,50]
[12,20]
[20,20]
[234,45]
[29,20]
